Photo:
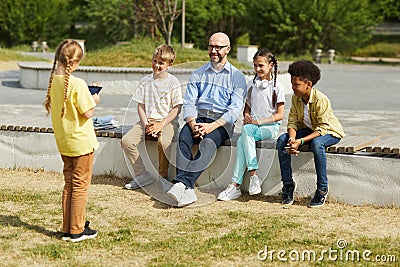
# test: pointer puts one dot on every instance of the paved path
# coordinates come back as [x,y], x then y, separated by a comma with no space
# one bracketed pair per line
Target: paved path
[365,99]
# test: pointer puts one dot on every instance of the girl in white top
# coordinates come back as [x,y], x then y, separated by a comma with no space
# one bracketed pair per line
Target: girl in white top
[263,114]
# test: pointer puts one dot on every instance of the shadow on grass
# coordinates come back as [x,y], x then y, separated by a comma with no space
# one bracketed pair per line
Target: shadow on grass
[110,180]
[15,221]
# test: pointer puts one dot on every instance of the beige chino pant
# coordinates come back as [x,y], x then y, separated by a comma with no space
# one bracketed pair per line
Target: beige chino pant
[135,137]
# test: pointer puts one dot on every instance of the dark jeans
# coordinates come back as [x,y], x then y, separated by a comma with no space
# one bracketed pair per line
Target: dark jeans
[317,147]
[189,168]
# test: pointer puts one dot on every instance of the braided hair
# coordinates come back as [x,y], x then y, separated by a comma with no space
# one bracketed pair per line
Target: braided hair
[265,52]
[67,52]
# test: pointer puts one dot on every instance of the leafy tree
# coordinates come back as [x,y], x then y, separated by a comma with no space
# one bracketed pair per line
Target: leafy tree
[206,17]
[299,26]
[389,9]
[24,21]
[108,22]
[123,20]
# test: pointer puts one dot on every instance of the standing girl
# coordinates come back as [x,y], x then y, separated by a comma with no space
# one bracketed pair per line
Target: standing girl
[262,114]
[72,107]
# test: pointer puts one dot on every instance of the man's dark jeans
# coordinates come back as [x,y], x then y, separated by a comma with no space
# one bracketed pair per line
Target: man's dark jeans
[189,168]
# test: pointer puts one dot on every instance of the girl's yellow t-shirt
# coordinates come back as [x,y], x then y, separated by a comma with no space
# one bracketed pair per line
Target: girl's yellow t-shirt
[74,133]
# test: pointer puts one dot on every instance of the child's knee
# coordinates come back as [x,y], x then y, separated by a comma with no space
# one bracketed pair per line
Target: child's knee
[247,129]
[282,141]
[317,146]
[128,143]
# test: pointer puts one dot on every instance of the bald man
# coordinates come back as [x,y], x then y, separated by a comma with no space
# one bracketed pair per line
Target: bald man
[213,100]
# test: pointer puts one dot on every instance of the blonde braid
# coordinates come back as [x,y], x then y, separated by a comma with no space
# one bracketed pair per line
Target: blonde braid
[67,53]
[47,102]
[66,84]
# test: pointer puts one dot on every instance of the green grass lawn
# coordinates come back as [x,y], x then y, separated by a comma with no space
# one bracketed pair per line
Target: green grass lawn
[12,55]
[137,230]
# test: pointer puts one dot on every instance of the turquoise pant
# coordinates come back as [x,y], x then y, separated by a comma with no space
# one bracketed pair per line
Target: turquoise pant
[246,147]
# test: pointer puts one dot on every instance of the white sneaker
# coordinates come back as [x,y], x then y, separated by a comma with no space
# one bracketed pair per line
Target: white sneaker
[177,191]
[254,186]
[140,181]
[230,193]
[187,198]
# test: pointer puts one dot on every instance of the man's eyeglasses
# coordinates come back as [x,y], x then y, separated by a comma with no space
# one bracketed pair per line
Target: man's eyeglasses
[217,47]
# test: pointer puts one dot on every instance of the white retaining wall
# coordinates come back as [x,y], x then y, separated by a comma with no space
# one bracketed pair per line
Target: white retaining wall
[353,179]
[115,81]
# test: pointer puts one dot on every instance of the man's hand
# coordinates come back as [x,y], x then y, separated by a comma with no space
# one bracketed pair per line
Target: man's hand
[205,128]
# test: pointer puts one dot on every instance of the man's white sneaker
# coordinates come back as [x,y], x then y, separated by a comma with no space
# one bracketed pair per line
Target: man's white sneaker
[140,181]
[177,191]
[254,186]
[187,198]
[230,193]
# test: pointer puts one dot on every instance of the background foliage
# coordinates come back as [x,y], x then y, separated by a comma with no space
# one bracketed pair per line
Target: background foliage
[24,21]
[286,27]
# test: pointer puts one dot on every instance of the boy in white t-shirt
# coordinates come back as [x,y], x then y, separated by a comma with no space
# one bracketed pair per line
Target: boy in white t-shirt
[263,113]
[159,100]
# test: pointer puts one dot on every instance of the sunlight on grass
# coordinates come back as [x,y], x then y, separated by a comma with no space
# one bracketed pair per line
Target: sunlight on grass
[133,231]
[379,50]
[12,55]
[138,53]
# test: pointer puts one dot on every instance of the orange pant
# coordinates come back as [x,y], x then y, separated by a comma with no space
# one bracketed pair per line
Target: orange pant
[77,177]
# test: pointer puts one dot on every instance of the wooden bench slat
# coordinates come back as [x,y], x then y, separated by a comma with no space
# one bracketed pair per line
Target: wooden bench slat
[387,145]
[349,144]
[352,144]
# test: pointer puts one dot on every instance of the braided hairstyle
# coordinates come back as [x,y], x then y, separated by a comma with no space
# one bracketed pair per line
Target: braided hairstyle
[265,52]
[67,53]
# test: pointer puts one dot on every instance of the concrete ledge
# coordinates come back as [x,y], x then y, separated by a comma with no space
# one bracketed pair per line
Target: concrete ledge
[122,81]
[35,75]
[354,179]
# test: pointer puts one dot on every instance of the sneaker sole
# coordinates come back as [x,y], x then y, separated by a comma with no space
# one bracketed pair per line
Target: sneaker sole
[255,193]
[128,187]
[228,199]
[131,188]
[183,204]
[291,203]
[83,237]
[67,238]
[317,206]
[288,204]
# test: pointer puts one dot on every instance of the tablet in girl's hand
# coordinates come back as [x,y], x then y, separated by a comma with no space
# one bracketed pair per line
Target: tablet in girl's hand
[94,89]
